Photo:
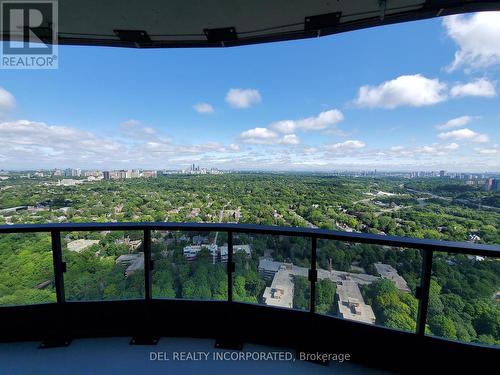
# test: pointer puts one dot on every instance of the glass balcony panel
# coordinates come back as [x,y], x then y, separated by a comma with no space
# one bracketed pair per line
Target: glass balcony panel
[272,270]
[26,270]
[367,283]
[189,265]
[464,301]
[103,265]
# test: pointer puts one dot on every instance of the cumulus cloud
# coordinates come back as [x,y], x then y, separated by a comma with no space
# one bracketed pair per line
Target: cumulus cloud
[7,100]
[436,149]
[234,147]
[30,144]
[491,150]
[259,136]
[346,146]
[137,130]
[243,98]
[478,87]
[397,148]
[451,146]
[203,108]
[407,90]
[476,36]
[319,122]
[265,136]
[290,139]
[464,134]
[37,140]
[273,133]
[457,122]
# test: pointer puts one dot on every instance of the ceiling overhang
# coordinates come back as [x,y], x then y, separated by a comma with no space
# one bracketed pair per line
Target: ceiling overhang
[224,23]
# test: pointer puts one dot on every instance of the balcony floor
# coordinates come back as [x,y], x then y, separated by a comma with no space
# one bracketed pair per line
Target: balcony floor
[115,355]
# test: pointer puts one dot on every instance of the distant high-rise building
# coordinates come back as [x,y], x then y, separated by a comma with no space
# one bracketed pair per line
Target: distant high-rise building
[106,175]
[492,184]
[442,173]
[495,186]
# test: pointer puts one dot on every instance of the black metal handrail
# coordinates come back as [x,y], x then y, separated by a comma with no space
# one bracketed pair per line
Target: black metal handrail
[428,247]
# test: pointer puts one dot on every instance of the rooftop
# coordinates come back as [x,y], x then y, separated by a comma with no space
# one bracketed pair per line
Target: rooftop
[390,273]
[80,245]
[351,304]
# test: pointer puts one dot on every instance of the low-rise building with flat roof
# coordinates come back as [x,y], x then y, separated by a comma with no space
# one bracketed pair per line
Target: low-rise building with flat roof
[80,245]
[280,293]
[191,252]
[134,262]
[223,252]
[351,304]
[390,273]
[268,267]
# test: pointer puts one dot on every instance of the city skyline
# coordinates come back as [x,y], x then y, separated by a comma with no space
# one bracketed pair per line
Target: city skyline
[427,101]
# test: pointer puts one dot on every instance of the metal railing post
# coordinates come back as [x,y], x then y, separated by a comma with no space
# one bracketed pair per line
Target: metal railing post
[230,266]
[313,274]
[423,291]
[59,265]
[148,265]
[146,336]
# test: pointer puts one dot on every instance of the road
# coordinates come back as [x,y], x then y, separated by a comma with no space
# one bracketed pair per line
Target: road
[448,199]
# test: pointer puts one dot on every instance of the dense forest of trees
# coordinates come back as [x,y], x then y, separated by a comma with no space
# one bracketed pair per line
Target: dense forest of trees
[462,304]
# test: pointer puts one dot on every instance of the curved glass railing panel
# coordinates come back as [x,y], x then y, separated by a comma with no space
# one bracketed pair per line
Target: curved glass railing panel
[103,265]
[26,269]
[464,299]
[368,283]
[188,265]
[271,270]
[444,289]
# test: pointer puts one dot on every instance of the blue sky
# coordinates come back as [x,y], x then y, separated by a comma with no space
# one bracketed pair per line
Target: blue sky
[414,96]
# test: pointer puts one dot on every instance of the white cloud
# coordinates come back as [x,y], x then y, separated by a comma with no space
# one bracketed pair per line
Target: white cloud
[7,100]
[273,134]
[203,108]
[290,139]
[319,122]
[424,151]
[309,150]
[30,144]
[243,98]
[259,136]
[488,151]
[451,146]
[396,148]
[265,136]
[346,146]
[457,122]
[234,147]
[464,135]
[407,90]
[477,38]
[39,140]
[128,124]
[478,87]
[135,129]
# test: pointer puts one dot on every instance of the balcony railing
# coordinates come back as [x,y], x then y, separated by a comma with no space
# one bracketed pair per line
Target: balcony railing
[426,247]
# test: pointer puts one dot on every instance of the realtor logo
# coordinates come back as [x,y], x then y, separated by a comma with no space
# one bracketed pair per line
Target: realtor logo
[29,34]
